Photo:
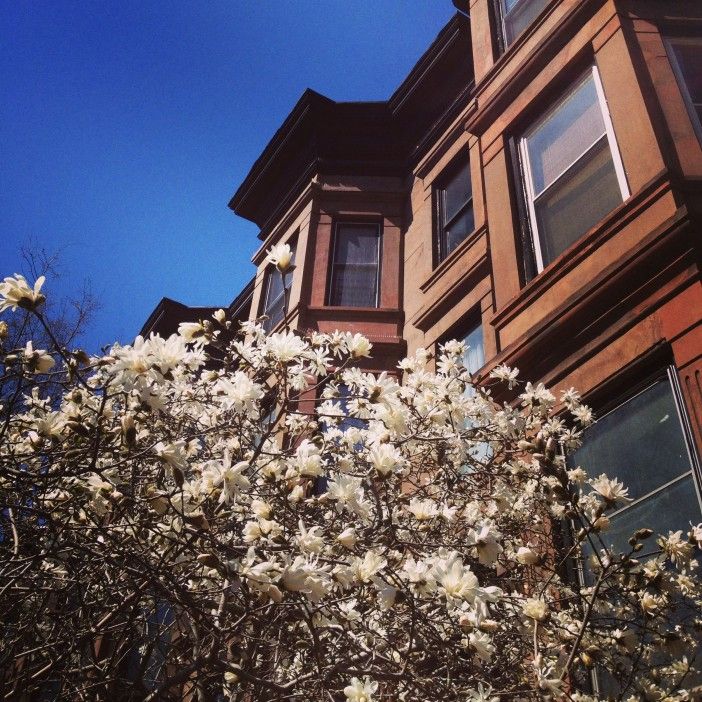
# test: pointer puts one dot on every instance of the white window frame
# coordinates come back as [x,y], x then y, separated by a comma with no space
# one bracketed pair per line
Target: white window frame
[333,262]
[531,195]
[679,76]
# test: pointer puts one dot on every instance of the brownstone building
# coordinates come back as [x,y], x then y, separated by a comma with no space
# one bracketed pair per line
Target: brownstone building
[535,187]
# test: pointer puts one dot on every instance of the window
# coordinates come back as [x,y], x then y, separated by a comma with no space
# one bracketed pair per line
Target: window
[355,269]
[474,357]
[642,442]
[516,16]
[454,209]
[573,175]
[686,58]
[277,292]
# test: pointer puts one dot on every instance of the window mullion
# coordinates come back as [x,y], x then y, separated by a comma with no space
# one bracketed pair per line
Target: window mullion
[651,493]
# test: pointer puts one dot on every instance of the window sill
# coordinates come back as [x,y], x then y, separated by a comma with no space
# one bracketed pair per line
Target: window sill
[584,247]
[377,314]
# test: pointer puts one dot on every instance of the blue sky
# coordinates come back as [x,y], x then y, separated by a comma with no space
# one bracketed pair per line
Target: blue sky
[126,126]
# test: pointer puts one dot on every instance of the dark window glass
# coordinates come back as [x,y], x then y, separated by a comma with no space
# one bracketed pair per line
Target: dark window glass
[687,62]
[589,189]
[568,158]
[274,307]
[642,444]
[354,275]
[517,15]
[454,200]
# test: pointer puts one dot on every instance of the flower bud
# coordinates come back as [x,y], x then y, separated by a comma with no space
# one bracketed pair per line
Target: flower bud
[129,431]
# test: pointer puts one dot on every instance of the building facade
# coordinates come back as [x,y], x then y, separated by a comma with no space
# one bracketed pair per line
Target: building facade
[534,186]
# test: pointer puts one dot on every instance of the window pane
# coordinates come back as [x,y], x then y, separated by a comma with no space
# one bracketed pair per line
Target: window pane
[641,442]
[354,286]
[474,358]
[275,313]
[668,510]
[688,53]
[457,193]
[575,203]
[355,268]
[518,15]
[275,286]
[459,230]
[356,243]
[574,126]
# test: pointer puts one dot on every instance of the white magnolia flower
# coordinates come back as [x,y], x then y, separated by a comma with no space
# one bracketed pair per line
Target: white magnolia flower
[677,548]
[37,360]
[535,609]
[239,392]
[280,256]
[486,540]
[506,375]
[174,454]
[696,534]
[364,569]
[345,489]
[482,694]
[308,460]
[456,581]
[583,414]
[347,537]
[611,489]
[261,509]
[310,540]
[285,346]
[385,458]
[359,346]
[15,292]
[359,691]
[650,603]
[482,644]
[527,556]
[192,331]
[577,475]
[422,510]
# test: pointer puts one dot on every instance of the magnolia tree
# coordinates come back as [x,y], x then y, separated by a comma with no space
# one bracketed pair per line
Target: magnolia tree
[174,527]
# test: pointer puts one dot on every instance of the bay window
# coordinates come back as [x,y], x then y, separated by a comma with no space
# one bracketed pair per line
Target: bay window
[355,267]
[573,175]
